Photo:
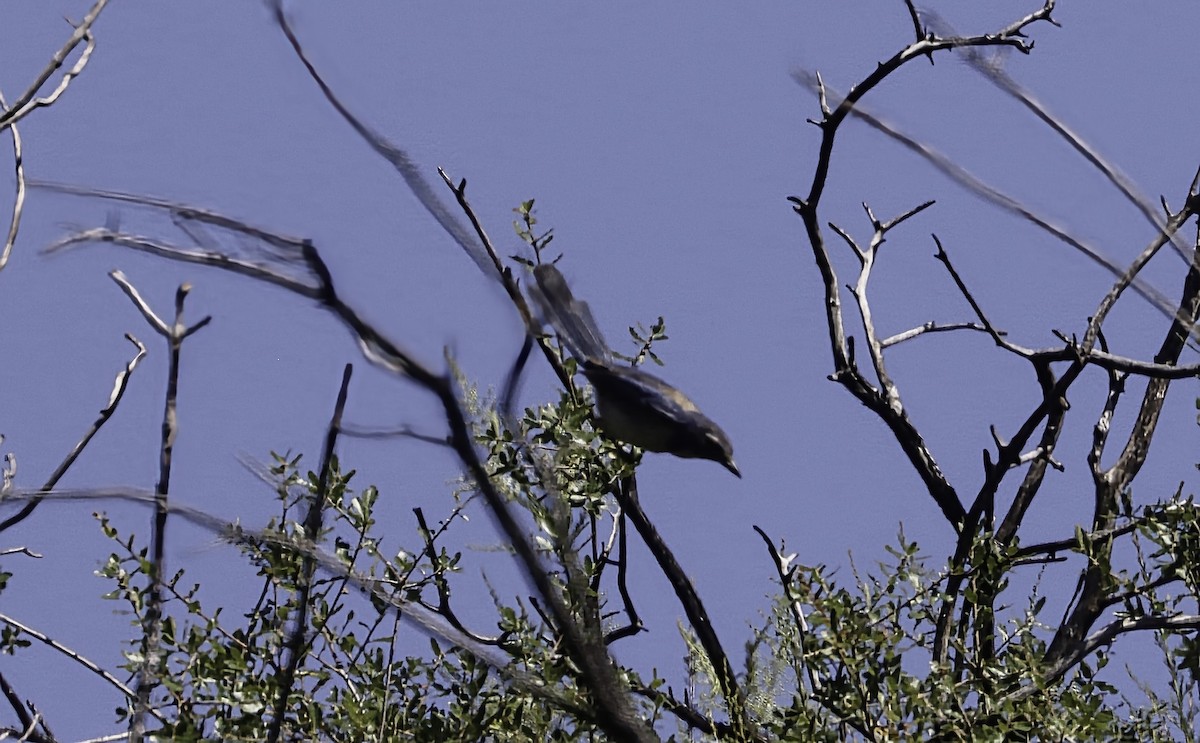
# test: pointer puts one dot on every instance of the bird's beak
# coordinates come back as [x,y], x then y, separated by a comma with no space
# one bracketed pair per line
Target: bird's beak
[729,465]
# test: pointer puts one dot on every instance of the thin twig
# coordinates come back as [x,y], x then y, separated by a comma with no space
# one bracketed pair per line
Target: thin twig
[698,618]
[80,659]
[175,334]
[313,519]
[14,226]
[114,399]
[27,102]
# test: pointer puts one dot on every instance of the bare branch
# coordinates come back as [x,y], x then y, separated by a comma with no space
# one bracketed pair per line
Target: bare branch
[14,226]
[1105,636]
[151,670]
[1114,481]
[443,607]
[931,327]
[697,615]
[77,658]
[295,645]
[786,572]
[1175,221]
[634,623]
[1042,455]
[807,207]
[114,399]
[18,705]
[26,102]
[532,326]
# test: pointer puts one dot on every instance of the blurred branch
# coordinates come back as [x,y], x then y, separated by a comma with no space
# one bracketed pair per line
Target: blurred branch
[973,184]
[378,589]
[584,644]
[398,158]
[990,69]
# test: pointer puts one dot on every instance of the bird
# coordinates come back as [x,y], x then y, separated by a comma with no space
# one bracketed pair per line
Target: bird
[632,405]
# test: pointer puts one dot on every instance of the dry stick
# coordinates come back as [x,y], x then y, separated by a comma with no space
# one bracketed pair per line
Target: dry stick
[295,643]
[1008,456]
[14,226]
[930,327]
[73,655]
[14,701]
[786,572]
[846,372]
[866,261]
[444,609]
[697,615]
[1069,639]
[152,623]
[1174,223]
[26,102]
[1034,476]
[634,625]
[114,399]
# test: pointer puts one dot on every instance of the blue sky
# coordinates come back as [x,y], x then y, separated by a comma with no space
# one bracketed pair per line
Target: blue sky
[660,143]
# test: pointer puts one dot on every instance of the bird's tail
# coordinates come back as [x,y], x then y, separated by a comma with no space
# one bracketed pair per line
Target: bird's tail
[569,316]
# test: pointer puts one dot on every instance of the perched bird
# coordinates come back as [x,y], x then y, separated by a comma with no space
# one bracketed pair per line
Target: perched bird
[632,406]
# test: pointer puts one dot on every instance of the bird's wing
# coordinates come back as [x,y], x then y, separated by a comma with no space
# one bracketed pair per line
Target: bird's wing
[569,316]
